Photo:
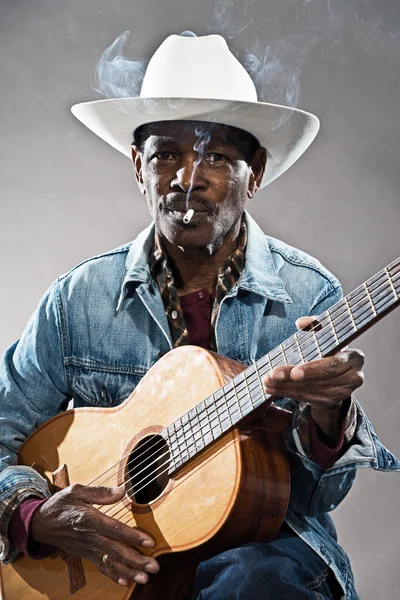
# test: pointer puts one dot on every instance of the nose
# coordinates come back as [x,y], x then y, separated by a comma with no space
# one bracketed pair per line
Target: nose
[190,175]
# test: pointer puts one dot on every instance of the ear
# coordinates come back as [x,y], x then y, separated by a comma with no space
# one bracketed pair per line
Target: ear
[257,165]
[137,164]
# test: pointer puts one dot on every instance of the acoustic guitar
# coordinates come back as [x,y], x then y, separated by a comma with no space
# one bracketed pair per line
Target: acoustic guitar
[199,448]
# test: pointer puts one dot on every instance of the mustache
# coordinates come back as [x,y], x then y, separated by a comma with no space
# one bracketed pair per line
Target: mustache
[176,199]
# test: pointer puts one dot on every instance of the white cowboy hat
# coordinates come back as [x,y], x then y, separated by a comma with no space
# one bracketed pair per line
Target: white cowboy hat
[199,79]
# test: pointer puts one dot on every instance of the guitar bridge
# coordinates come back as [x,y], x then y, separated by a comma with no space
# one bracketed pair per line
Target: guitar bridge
[75,572]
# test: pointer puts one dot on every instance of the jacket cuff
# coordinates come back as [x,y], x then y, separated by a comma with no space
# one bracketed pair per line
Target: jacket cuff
[301,429]
[19,530]
[16,485]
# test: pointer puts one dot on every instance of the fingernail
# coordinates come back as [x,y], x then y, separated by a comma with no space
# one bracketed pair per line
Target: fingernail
[117,489]
[297,373]
[148,544]
[140,578]
[277,375]
[270,391]
[123,582]
[151,568]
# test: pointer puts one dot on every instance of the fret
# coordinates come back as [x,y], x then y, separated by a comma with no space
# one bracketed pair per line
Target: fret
[204,421]
[383,293]
[370,298]
[292,354]
[235,406]
[209,431]
[248,393]
[213,414]
[396,280]
[333,327]
[178,457]
[226,415]
[188,435]
[351,314]
[269,362]
[226,407]
[259,384]
[325,337]
[309,344]
[283,354]
[391,284]
[195,429]
[218,415]
[276,359]
[317,342]
[172,441]
[364,312]
[258,375]
[344,322]
[182,442]
[296,337]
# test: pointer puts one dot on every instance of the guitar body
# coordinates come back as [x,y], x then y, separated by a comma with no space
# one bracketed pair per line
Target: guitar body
[235,491]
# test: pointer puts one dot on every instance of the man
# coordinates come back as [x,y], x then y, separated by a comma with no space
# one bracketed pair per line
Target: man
[201,142]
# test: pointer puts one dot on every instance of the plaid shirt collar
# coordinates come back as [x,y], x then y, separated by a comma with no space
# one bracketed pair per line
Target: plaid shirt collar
[228,276]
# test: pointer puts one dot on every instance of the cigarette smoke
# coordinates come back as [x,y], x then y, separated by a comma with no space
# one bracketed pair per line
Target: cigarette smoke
[275,59]
[203,133]
[116,75]
[280,43]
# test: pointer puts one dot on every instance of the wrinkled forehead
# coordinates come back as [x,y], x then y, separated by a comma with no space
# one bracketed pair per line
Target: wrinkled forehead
[194,131]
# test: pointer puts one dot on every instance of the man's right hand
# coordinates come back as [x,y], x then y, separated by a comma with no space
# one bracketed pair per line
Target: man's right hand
[68,521]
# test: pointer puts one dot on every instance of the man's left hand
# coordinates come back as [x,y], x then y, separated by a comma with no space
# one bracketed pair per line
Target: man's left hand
[324,383]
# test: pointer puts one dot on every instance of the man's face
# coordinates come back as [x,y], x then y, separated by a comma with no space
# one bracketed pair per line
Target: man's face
[185,165]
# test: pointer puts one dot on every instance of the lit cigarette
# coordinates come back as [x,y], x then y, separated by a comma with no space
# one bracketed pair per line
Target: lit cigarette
[187,218]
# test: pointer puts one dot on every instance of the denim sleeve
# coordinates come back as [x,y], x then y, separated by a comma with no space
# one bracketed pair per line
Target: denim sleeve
[33,388]
[315,491]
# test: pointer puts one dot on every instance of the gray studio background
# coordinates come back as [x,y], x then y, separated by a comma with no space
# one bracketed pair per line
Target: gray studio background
[65,195]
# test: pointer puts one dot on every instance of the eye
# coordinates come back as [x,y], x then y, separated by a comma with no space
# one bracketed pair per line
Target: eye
[216,157]
[165,156]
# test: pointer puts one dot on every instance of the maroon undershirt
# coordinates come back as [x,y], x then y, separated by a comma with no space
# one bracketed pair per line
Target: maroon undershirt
[196,308]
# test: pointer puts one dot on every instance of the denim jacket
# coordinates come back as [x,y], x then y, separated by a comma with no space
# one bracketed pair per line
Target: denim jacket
[102,326]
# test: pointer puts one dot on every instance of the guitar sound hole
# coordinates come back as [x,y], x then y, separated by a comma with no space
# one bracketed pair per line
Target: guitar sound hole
[147,469]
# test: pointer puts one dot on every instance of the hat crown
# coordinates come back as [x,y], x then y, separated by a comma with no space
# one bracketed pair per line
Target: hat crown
[197,67]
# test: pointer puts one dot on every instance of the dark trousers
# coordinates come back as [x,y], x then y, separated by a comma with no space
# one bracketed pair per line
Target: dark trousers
[285,569]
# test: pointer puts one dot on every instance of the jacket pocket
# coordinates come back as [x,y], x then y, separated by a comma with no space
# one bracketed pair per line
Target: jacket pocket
[102,388]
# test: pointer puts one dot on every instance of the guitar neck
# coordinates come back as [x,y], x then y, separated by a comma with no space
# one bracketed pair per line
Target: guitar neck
[328,333]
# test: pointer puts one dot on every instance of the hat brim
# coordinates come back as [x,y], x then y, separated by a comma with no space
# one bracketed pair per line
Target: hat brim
[285,132]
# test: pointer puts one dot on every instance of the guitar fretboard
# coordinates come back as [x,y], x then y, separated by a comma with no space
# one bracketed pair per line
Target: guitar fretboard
[331,331]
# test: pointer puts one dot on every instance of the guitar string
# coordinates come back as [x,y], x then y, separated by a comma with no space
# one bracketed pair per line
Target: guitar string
[124,510]
[227,398]
[136,491]
[160,441]
[306,338]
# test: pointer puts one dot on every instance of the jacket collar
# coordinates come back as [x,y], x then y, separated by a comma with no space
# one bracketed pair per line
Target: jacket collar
[258,276]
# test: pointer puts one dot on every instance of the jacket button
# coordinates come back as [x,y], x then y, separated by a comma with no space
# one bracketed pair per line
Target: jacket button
[174,315]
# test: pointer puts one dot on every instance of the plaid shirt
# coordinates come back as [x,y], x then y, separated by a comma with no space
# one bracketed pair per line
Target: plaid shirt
[228,276]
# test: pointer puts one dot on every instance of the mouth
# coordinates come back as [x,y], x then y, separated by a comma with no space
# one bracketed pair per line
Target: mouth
[200,210]
[198,215]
